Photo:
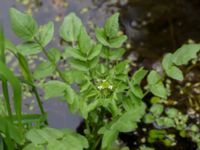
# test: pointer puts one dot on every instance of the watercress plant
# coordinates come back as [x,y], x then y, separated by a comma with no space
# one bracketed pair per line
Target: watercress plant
[95,82]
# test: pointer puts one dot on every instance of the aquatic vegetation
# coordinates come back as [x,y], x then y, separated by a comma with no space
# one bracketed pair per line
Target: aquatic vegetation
[96,83]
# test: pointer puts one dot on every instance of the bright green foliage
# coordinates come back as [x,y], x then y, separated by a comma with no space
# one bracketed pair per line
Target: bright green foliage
[70,28]
[24,26]
[106,95]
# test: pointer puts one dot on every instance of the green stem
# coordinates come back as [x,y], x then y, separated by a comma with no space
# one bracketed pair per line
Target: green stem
[46,54]
[39,101]
[7,98]
[31,83]
[96,143]
[107,59]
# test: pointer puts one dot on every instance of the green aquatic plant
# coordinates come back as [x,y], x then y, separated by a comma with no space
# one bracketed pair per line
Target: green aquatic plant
[106,95]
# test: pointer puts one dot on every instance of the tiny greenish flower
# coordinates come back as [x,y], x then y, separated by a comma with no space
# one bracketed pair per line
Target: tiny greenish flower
[110,87]
[100,87]
[104,84]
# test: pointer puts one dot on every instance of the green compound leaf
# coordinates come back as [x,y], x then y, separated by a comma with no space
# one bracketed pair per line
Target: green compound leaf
[70,28]
[24,26]
[43,70]
[45,33]
[112,26]
[185,53]
[54,88]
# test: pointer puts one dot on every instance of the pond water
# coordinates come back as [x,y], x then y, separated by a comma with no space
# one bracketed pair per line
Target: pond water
[154,27]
